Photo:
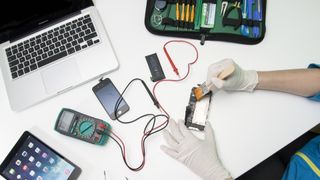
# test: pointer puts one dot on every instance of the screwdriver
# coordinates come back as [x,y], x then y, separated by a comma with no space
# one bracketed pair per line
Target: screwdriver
[177,13]
[182,11]
[192,12]
[187,12]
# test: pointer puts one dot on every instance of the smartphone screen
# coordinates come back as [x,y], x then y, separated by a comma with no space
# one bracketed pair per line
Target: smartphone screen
[108,95]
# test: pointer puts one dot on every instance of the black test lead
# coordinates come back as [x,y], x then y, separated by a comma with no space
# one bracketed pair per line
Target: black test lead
[155,102]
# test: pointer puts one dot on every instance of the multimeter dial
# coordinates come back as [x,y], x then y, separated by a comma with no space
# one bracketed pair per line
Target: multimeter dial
[83,127]
[86,128]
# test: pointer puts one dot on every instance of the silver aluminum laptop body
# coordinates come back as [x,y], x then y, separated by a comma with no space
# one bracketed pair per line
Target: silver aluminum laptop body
[63,74]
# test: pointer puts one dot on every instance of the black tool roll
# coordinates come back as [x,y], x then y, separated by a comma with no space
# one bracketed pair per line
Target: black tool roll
[239,21]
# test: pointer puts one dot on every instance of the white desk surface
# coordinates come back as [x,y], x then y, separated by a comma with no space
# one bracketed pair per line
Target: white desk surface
[248,127]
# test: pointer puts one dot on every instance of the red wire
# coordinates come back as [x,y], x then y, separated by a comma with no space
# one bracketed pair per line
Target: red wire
[168,80]
[124,147]
[174,80]
[175,69]
[154,94]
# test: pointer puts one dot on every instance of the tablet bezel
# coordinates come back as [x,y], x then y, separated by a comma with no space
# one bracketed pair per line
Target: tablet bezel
[74,175]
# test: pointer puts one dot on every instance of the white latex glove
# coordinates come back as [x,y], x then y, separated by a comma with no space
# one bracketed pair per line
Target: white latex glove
[239,80]
[198,155]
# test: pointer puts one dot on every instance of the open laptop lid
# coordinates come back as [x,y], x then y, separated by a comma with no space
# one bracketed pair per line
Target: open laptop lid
[19,18]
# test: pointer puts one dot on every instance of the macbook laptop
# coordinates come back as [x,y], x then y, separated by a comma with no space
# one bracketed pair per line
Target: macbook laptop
[50,46]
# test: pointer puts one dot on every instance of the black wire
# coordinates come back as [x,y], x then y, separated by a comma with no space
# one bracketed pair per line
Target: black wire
[147,132]
[143,142]
[123,156]
[120,99]
[167,122]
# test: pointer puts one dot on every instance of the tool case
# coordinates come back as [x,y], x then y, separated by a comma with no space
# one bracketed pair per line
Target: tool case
[239,21]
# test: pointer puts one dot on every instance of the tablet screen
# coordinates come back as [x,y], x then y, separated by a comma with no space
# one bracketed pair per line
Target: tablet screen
[35,160]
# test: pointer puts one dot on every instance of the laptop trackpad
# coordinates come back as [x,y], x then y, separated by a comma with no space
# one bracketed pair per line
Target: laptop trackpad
[61,76]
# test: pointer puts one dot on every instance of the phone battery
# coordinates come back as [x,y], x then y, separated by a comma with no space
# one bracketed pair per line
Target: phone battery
[155,67]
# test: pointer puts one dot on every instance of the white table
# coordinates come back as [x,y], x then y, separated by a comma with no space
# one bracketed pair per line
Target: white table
[249,127]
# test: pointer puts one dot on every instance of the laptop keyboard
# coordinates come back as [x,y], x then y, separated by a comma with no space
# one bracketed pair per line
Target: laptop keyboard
[50,46]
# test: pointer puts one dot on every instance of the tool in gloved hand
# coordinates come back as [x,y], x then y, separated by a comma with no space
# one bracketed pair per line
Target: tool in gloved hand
[240,80]
[235,22]
[257,15]
[244,30]
[205,88]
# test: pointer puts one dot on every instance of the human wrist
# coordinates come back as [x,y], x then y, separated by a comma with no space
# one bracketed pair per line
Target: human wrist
[251,82]
[229,178]
[264,79]
[217,173]
[226,176]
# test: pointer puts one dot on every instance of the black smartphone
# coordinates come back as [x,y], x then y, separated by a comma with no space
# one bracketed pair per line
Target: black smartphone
[108,96]
[31,158]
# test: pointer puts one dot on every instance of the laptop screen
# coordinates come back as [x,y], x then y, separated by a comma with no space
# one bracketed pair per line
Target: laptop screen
[17,18]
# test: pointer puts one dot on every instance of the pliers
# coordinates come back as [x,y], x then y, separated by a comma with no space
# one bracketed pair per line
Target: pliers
[236,23]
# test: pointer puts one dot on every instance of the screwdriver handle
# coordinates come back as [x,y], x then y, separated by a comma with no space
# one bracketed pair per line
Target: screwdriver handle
[182,11]
[192,13]
[187,12]
[177,11]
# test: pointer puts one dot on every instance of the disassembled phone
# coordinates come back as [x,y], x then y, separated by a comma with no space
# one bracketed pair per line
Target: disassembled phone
[83,127]
[108,96]
[31,158]
[197,111]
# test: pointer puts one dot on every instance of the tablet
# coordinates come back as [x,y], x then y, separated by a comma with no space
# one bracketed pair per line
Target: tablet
[31,158]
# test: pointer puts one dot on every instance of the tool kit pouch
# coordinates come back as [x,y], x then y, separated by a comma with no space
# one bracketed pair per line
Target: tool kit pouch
[239,21]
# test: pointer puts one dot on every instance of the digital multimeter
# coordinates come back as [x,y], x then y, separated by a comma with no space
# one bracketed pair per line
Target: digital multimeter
[83,127]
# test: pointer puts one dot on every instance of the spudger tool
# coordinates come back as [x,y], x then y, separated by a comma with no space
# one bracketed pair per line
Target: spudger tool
[204,89]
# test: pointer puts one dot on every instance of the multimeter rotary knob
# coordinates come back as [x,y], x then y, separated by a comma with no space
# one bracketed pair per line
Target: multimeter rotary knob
[86,128]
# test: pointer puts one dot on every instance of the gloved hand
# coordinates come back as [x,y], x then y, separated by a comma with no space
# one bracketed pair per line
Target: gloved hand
[198,155]
[239,80]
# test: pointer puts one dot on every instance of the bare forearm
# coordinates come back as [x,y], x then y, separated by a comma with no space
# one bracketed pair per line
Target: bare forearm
[302,82]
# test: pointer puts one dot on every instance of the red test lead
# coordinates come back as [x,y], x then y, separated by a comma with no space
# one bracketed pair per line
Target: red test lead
[162,109]
[175,69]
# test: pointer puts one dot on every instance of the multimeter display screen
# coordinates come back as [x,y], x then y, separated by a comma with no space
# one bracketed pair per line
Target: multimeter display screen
[65,121]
